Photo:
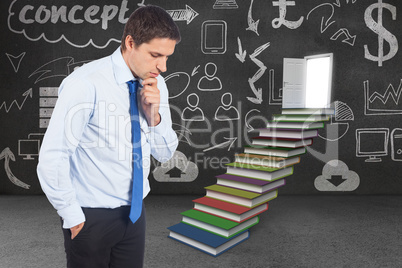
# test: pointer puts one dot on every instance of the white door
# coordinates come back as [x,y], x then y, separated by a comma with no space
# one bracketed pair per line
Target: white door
[294,95]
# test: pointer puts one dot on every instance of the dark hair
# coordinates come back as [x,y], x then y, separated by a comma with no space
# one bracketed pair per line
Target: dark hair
[149,22]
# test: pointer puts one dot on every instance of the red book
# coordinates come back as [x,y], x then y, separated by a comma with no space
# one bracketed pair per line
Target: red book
[227,210]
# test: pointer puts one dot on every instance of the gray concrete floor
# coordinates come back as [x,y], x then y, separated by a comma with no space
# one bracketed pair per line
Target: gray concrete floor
[296,231]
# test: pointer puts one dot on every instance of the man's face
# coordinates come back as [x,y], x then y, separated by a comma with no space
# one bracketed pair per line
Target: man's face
[148,59]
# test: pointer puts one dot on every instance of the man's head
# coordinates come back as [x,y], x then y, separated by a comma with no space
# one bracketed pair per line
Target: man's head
[149,38]
[147,23]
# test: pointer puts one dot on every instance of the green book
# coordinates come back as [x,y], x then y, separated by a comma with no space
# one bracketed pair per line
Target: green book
[232,191]
[240,197]
[216,225]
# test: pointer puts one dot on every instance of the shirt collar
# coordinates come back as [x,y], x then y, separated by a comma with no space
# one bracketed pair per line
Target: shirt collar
[121,71]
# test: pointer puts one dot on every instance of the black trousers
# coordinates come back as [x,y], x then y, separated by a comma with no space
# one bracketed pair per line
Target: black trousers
[108,239]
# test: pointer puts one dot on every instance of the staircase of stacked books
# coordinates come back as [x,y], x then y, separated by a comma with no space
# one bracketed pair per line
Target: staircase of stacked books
[222,218]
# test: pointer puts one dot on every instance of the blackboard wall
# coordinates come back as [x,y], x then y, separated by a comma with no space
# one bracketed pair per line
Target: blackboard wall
[227,70]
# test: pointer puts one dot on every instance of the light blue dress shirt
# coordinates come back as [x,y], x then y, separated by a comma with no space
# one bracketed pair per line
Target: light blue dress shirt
[86,155]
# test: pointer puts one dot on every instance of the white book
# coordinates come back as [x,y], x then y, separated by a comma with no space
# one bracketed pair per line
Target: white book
[300,118]
[316,111]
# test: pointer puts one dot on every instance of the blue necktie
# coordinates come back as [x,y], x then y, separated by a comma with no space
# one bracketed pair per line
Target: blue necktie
[136,199]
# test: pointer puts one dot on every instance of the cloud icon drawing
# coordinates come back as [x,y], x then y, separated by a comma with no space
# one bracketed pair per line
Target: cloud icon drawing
[336,176]
[177,169]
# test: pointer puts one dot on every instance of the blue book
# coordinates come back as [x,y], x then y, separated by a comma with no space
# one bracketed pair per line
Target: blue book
[203,240]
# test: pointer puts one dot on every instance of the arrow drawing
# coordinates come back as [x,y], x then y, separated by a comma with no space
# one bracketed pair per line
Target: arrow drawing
[195,70]
[223,144]
[242,54]
[7,155]
[258,93]
[252,24]
[328,22]
[248,126]
[187,14]
[336,180]
[54,68]
[349,38]
[15,60]
[182,132]
[26,94]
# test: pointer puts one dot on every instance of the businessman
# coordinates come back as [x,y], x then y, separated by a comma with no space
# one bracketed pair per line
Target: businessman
[110,116]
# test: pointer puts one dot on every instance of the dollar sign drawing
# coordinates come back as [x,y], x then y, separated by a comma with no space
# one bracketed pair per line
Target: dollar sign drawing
[382,33]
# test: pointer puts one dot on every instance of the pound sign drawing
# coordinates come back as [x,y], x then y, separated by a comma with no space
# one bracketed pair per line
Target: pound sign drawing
[382,33]
[276,23]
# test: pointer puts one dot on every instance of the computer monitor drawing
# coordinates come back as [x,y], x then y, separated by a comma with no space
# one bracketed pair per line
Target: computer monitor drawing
[372,143]
[28,148]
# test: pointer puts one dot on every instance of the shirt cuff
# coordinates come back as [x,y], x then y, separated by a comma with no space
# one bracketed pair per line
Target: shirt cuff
[71,215]
[160,129]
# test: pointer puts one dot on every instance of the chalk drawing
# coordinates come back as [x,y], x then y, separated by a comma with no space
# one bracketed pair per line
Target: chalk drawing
[275,96]
[349,39]
[341,33]
[372,143]
[252,24]
[53,68]
[15,60]
[182,132]
[388,103]
[28,148]
[63,15]
[338,125]
[210,82]
[47,101]
[278,22]
[337,177]
[213,37]
[19,106]
[324,24]
[226,112]
[177,169]
[195,70]
[187,14]
[143,3]
[192,113]
[247,120]
[229,143]
[396,144]
[241,56]
[338,2]
[7,154]
[383,34]
[225,4]
[180,82]
[258,93]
